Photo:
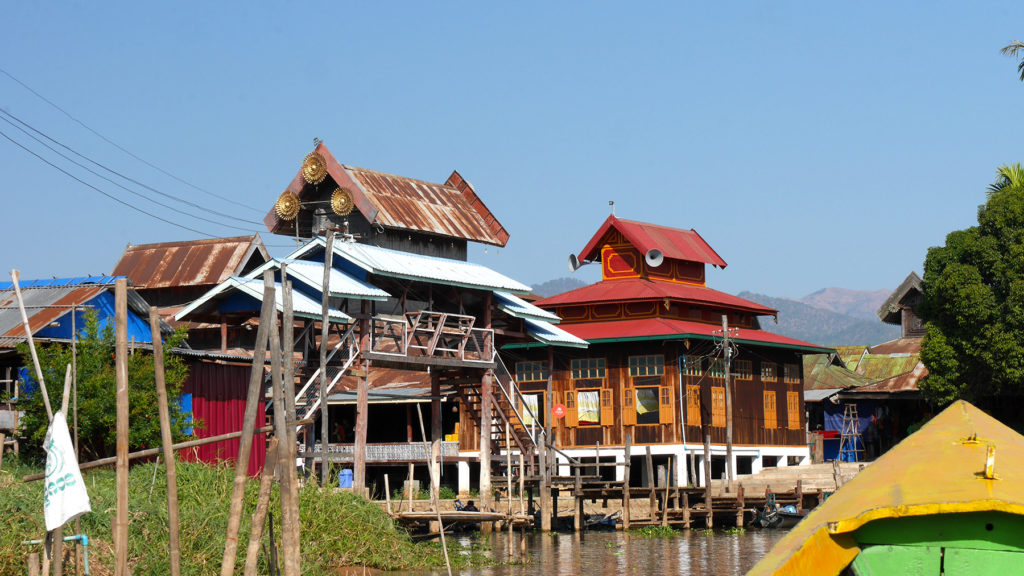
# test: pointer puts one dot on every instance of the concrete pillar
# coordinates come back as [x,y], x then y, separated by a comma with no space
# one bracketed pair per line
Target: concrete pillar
[620,471]
[464,486]
[486,496]
[757,465]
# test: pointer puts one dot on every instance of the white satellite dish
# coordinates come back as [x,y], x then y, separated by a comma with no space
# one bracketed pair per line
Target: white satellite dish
[654,257]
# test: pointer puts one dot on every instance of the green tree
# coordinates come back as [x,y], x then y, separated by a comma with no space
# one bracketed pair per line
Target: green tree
[974,303]
[97,400]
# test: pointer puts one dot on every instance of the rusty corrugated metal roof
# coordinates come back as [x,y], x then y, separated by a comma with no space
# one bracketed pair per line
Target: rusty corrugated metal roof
[899,346]
[451,209]
[189,263]
[34,298]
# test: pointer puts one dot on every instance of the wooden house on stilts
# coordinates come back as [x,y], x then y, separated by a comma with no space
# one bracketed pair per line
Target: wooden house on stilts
[656,368]
[411,323]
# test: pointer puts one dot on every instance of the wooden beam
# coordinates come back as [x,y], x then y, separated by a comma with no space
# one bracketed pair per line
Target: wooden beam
[166,439]
[121,376]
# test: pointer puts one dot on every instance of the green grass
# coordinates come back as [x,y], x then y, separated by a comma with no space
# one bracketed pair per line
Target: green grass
[654,532]
[338,528]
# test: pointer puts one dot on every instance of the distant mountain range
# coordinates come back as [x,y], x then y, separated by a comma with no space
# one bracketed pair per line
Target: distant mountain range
[845,322]
[828,317]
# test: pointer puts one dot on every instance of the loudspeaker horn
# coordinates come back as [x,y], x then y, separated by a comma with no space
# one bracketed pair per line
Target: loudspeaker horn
[654,257]
[574,263]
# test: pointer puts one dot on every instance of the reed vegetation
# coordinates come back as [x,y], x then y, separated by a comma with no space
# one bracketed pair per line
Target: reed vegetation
[338,528]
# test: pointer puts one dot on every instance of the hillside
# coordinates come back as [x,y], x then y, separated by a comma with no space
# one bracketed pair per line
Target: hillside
[861,304]
[557,286]
[820,326]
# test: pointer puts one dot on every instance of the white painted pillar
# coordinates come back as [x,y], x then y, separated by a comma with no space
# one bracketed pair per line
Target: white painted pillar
[757,465]
[680,473]
[783,460]
[620,470]
[464,486]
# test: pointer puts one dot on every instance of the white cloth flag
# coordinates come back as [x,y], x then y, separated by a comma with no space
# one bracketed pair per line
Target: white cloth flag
[65,495]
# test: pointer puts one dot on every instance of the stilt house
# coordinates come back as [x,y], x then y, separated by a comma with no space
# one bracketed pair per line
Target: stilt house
[656,366]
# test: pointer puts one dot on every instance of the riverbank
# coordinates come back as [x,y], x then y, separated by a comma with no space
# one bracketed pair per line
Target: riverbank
[338,528]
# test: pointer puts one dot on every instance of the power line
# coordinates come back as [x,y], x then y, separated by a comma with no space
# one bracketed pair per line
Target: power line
[121,148]
[114,198]
[125,188]
[116,173]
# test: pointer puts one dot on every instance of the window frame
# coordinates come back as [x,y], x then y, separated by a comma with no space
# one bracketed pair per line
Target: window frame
[769,372]
[793,410]
[577,393]
[588,368]
[718,416]
[657,399]
[693,405]
[536,367]
[646,365]
[770,408]
[744,369]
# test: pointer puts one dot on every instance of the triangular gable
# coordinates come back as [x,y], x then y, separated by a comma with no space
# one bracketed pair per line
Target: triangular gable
[674,243]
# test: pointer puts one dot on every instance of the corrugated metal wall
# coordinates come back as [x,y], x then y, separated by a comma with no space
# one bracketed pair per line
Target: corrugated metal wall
[218,403]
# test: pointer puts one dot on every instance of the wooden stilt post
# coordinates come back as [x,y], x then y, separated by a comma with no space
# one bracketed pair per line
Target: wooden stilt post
[486,494]
[259,516]
[739,506]
[577,502]
[412,470]
[325,323]
[286,450]
[545,489]
[33,564]
[664,498]
[121,371]
[686,510]
[709,520]
[435,435]
[167,440]
[649,477]
[434,497]
[799,495]
[227,567]
[362,408]
[625,481]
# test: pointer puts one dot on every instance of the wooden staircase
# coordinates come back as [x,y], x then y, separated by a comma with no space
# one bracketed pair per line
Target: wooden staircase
[307,400]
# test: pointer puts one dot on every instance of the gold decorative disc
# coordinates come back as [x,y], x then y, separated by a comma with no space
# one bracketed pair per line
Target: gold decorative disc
[314,168]
[341,202]
[287,205]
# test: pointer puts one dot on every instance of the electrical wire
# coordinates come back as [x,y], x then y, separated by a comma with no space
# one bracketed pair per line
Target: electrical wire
[112,197]
[119,185]
[115,172]
[121,148]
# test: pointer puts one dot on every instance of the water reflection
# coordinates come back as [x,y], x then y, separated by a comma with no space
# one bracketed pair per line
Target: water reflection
[615,553]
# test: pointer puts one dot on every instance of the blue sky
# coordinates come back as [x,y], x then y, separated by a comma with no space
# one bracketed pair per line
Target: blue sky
[811,144]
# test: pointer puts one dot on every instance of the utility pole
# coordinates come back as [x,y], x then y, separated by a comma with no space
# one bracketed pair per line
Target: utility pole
[728,401]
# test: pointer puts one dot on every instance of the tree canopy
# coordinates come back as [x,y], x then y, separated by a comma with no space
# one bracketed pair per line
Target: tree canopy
[97,410]
[974,303]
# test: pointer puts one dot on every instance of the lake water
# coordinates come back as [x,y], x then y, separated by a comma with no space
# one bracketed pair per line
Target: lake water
[614,553]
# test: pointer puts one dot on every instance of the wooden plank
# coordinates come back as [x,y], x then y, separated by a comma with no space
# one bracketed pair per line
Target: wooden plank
[625,482]
[286,450]
[121,377]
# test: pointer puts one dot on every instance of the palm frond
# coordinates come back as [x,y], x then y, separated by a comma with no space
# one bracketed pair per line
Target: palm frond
[1007,176]
[1015,49]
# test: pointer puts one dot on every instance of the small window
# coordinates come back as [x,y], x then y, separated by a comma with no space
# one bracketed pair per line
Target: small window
[771,420]
[588,407]
[647,406]
[793,408]
[692,366]
[743,369]
[531,371]
[588,368]
[653,365]
[791,373]
[693,405]
[718,406]
[716,368]
[532,410]
[769,372]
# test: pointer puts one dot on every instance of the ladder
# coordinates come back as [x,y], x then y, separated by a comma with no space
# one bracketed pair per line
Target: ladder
[850,447]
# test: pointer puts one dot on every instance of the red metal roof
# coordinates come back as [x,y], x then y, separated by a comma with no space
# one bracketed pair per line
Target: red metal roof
[674,243]
[633,289]
[190,263]
[451,209]
[654,327]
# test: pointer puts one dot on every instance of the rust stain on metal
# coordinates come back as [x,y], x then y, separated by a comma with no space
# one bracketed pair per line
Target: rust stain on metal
[192,263]
[451,209]
[39,318]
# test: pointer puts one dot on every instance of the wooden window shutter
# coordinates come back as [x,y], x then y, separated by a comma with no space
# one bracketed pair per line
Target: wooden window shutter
[793,408]
[607,407]
[628,407]
[771,420]
[718,406]
[693,405]
[666,408]
[571,419]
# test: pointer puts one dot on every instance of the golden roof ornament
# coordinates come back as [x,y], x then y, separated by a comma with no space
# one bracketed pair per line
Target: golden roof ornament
[341,202]
[287,205]
[314,168]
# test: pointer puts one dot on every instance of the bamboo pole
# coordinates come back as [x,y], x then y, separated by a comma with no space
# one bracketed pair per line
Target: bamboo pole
[155,451]
[289,481]
[433,494]
[387,493]
[57,538]
[288,545]
[227,566]
[121,366]
[31,345]
[167,441]
[259,516]
[627,463]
